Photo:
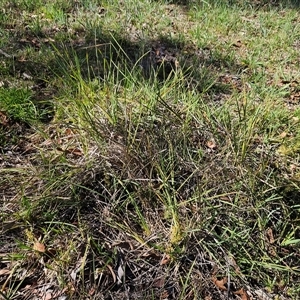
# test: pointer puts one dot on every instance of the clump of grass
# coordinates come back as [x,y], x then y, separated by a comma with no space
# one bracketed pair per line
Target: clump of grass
[168,155]
[17,103]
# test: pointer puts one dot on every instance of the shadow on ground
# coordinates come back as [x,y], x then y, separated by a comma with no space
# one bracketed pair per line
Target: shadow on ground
[202,68]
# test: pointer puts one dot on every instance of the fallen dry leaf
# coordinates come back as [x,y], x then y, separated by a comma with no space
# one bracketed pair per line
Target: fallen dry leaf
[220,283]
[92,291]
[166,258]
[69,133]
[270,236]
[48,296]
[164,295]
[4,272]
[3,119]
[242,293]
[39,247]
[211,144]
[22,58]
[283,135]
[159,282]
[74,151]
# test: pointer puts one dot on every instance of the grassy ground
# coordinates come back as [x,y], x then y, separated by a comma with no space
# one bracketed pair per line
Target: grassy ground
[149,149]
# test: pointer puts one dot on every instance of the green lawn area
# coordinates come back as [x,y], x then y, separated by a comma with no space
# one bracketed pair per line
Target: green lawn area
[149,149]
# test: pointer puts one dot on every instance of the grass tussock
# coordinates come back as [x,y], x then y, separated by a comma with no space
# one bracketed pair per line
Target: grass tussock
[149,150]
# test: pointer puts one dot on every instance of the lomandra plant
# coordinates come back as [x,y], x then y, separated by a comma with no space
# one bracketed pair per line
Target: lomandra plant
[152,142]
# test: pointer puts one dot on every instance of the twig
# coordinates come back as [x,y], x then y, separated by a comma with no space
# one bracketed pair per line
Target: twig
[5,54]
